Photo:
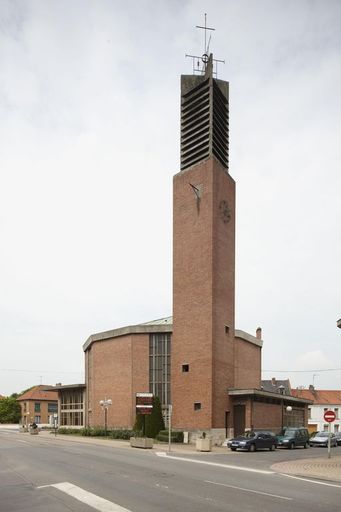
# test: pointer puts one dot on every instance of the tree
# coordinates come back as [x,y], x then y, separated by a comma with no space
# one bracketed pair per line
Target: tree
[10,410]
[153,422]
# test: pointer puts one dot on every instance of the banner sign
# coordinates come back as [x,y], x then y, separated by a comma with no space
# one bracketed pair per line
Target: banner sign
[144,403]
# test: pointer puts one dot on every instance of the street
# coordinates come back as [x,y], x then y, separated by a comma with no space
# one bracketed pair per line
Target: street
[40,473]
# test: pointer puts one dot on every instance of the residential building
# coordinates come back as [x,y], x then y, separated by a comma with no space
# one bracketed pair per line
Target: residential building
[38,405]
[323,400]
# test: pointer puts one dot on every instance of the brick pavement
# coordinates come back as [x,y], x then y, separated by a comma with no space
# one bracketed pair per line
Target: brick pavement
[319,467]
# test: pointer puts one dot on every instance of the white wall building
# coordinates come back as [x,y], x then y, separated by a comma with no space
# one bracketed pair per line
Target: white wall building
[324,400]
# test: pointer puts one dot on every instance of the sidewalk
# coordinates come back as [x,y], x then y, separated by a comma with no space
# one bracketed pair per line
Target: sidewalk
[120,443]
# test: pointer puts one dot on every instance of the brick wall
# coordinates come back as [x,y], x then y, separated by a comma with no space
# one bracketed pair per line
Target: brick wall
[247,365]
[203,296]
[121,368]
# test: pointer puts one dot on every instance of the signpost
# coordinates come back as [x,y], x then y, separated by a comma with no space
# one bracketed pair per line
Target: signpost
[329,417]
[144,405]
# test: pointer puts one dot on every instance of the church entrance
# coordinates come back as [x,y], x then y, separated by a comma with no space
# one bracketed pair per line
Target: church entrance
[239,419]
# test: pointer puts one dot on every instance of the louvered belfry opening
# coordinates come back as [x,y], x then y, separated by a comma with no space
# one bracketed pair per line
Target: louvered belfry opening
[204,119]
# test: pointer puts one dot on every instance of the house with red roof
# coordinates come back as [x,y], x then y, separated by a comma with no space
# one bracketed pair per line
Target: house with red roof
[324,400]
[38,405]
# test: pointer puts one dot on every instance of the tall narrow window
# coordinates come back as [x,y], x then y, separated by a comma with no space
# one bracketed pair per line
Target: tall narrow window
[159,366]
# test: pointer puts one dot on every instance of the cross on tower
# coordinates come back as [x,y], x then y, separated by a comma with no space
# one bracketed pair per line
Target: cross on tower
[205,28]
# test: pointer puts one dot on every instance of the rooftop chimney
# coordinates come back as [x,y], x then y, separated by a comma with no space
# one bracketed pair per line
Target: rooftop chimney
[273,381]
[311,387]
[259,333]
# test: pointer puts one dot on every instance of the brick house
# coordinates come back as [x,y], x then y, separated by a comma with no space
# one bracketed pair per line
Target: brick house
[38,405]
[323,400]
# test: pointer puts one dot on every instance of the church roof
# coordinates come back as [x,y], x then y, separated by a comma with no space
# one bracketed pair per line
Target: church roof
[155,326]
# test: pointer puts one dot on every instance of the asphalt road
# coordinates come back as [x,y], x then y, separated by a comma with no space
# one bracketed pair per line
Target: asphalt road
[46,474]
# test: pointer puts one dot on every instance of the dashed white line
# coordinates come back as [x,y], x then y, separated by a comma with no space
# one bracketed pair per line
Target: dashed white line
[92,500]
[217,464]
[250,490]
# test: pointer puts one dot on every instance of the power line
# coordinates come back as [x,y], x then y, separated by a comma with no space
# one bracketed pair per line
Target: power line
[303,371]
[37,371]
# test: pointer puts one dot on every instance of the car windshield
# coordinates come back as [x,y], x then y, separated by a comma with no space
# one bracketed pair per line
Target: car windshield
[249,434]
[289,432]
[322,434]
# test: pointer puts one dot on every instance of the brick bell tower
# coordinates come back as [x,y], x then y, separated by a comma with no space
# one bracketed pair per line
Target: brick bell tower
[203,258]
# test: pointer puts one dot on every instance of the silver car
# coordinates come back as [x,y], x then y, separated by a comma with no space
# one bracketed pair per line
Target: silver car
[321,439]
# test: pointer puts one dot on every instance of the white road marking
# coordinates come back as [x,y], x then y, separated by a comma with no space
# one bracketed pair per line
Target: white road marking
[92,500]
[22,441]
[318,482]
[250,490]
[217,464]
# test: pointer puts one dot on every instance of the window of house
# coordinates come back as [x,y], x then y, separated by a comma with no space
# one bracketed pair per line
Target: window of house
[309,413]
[185,368]
[37,419]
[37,407]
[197,406]
[325,427]
[336,413]
[336,428]
[52,407]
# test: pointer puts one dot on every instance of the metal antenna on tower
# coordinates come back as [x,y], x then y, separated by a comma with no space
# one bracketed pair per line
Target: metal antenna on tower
[205,56]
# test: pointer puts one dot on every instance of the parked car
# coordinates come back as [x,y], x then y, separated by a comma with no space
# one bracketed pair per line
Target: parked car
[253,441]
[321,439]
[338,437]
[293,437]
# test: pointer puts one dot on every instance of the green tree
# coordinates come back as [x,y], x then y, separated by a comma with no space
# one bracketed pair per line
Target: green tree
[153,422]
[10,411]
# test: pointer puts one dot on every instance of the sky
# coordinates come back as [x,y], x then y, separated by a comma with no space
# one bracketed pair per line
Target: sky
[89,143]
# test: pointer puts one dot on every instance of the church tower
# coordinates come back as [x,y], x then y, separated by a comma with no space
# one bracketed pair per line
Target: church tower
[203,257]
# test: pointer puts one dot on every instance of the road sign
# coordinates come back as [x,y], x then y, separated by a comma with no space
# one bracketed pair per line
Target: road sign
[329,416]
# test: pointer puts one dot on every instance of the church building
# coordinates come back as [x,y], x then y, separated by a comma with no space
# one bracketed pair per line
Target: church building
[195,360]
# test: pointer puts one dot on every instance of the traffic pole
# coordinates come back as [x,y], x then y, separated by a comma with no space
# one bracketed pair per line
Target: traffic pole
[329,436]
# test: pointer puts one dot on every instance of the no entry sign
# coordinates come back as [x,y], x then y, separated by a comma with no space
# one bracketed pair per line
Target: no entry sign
[329,416]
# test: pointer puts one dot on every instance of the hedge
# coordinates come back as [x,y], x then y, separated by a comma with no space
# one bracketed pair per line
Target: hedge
[176,436]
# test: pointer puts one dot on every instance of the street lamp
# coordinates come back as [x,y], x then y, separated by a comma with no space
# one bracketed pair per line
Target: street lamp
[105,404]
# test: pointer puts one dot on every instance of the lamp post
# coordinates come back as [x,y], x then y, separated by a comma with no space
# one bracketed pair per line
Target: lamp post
[105,404]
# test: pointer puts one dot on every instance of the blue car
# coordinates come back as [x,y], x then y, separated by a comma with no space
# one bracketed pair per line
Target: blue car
[252,441]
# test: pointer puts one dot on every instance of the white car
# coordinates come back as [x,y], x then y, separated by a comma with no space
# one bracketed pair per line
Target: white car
[321,439]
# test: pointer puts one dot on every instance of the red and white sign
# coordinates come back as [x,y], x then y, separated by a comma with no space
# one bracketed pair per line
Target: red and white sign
[144,403]
[329,416]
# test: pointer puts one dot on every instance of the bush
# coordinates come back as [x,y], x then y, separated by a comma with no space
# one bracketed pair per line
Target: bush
[176,437]
[153,422]
[122,434]
[64,430]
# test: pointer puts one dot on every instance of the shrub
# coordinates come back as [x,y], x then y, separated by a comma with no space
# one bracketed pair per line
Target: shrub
[176,436]
[72,431]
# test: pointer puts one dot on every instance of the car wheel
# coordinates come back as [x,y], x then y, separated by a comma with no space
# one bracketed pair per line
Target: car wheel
[291,446]
[306,445]
[252,448]
[272,447]
[233,449]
